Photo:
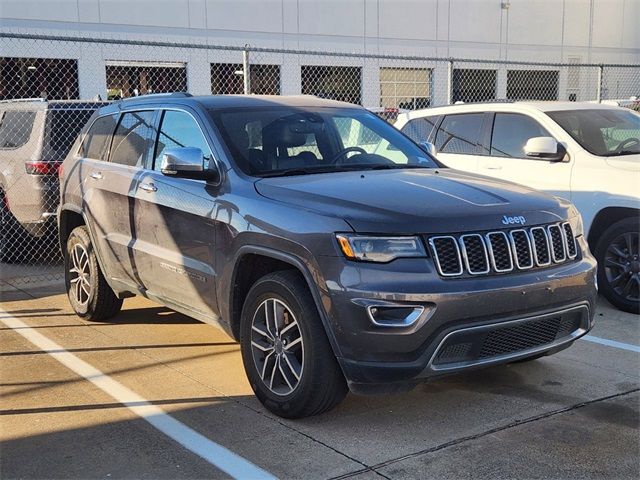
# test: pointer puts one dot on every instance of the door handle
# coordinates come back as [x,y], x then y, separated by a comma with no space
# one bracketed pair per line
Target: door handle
[148,187]
[493,167]
[96,175]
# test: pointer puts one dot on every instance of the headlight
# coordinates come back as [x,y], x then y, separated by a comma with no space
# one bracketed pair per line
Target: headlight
[380,249]
[576,225]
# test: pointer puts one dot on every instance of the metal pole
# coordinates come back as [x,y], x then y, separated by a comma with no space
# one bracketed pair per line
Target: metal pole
[245,71]
[449,81]
[599,85]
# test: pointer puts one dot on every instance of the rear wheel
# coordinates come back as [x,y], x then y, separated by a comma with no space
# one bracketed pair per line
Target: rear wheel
[285,351]
[89,294]
[618,255]
[10,233]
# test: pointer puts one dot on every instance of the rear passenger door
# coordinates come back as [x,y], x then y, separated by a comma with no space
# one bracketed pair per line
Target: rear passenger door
[174,222]
[110,186]
[506,159]
[459,140]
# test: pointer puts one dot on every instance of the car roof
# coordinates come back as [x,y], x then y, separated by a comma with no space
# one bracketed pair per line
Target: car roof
[230,101]
[510,106]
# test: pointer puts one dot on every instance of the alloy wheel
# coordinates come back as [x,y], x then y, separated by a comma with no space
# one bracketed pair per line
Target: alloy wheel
[622,265]
[277,346]
[80,274]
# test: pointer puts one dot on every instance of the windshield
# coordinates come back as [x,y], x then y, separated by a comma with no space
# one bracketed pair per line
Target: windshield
[275,141]
[605,133]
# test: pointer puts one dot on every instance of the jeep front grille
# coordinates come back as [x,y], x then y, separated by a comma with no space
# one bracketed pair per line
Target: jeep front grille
[503,251]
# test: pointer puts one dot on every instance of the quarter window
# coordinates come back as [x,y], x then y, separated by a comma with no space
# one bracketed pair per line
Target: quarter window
[96,142]
[460,134]
[15,129]
[419,129]
[179,129]
[511,131]
[131,138]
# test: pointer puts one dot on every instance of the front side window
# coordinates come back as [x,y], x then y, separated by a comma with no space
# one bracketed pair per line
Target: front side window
[15,128]
[98,138]
[602,132]
[179,129]
[131,139]
[460,133]
[272,141]
[511,131]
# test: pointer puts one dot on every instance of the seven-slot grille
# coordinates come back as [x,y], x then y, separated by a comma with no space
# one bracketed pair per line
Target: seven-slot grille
[503,251]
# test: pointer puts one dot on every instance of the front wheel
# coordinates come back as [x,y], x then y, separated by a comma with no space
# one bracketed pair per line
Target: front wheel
[89,293]
[289,362]
[618,255]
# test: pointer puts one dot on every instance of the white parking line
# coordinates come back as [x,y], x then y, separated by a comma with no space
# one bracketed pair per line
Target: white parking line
[612,343]
[218,456]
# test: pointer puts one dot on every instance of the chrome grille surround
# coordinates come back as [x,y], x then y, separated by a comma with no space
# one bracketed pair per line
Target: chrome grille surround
[475,265]
[492,238]
[499,252]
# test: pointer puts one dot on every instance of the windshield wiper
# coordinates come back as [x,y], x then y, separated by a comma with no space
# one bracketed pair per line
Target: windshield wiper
[296,171]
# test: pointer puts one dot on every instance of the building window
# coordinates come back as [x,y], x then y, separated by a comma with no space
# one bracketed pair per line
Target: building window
[405,88]
[336,83]
[473,85]
[50,78]
[532,84]
[228,78]
[130,79]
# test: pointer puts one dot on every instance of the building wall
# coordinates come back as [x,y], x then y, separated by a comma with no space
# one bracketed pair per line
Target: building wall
[549,30]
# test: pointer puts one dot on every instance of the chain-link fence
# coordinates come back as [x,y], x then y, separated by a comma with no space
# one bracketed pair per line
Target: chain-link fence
[50,86]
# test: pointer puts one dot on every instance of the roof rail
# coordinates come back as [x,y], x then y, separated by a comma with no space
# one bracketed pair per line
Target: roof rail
[153,95]
[11,100]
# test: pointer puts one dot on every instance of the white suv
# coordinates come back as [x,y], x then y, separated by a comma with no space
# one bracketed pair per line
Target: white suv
[585,152]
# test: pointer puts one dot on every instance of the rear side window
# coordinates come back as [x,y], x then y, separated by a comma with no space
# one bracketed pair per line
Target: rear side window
[511,132]
[15,129]
[96,142]
[460,133]
[61,130]
[419,129]
[131,140]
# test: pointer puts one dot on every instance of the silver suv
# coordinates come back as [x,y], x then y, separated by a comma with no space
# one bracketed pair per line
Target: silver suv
[35,137]
[339,257]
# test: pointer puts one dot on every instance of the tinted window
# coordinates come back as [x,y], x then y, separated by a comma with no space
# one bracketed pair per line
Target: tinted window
[96,143]
[131,138]
[602,132]
[460,133]
[419,129]
[179,129]
[61,130]
[511,132]
[15,128]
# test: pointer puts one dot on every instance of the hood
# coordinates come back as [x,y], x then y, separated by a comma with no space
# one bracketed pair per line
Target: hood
[416,201]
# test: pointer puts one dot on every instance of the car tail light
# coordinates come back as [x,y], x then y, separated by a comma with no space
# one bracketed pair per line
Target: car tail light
[61,171]
[42,168]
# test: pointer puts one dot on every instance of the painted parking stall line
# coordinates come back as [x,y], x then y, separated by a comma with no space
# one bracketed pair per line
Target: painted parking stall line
[215,454]
[612,343]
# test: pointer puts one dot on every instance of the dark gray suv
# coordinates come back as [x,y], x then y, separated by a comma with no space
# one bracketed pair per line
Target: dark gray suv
[339,253]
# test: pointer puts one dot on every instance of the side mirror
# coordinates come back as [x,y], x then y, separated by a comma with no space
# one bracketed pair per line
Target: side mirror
[429,147]
[545,148]
[186,162]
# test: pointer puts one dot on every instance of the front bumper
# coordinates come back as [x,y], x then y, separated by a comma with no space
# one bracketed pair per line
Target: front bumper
[380,358]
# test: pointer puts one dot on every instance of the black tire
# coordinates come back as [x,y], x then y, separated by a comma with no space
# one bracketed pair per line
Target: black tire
[101,302]
[623,293]
[321,385]
[10,233]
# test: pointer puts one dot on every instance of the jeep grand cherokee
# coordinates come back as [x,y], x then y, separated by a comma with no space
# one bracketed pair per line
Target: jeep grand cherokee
[338,261]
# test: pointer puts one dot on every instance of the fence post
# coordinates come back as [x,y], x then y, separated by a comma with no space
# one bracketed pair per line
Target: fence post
[599,84]
[449,81]
[246,70]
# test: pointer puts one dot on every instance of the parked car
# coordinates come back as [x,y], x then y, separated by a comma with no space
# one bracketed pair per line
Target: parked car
[35,137]
[588,153]
[333,267]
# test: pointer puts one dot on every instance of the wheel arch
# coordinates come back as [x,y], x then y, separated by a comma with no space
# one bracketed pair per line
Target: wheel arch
[245,273]
[604,219]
